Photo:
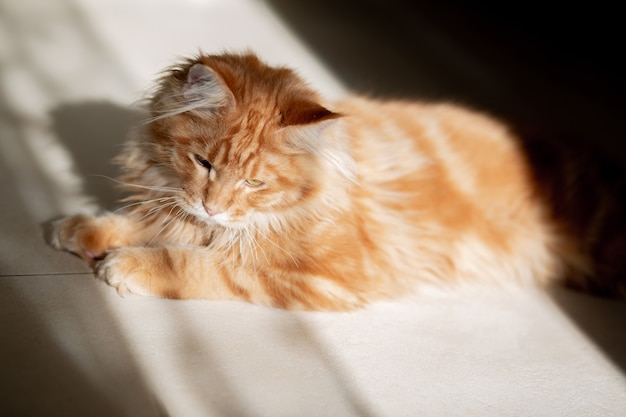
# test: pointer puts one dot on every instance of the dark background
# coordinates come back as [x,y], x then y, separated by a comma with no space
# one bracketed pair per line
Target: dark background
[550,65]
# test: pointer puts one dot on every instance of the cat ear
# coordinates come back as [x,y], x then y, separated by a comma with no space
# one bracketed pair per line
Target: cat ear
[319,138]
[304,122]
[303,112]
[204,90]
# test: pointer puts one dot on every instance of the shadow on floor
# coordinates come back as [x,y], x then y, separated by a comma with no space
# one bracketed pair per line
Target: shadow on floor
[94,132]
[40,377]
[600,319]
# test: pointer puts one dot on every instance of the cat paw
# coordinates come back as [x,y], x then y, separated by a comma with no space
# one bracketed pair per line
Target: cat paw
[68,235]
[82,235]
[123,270]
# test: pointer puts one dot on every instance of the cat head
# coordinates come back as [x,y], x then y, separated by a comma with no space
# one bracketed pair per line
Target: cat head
[246,142]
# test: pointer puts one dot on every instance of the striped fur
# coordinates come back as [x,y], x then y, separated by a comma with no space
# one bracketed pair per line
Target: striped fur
[246,185]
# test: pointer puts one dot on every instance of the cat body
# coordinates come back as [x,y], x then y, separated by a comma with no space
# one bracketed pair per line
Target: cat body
[246,185]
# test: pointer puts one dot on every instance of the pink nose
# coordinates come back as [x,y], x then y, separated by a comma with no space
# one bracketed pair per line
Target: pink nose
[212,211]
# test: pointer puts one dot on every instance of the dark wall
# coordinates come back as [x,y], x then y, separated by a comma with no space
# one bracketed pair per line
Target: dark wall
[553,66]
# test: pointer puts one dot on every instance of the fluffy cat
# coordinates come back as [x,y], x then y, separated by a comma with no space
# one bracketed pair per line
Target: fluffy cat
[246,185]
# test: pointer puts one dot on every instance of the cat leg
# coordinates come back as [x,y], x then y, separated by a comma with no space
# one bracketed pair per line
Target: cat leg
[188,272]
[91,237]
[180,272]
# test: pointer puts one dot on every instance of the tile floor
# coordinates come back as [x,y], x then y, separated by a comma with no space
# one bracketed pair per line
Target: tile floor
[69,346]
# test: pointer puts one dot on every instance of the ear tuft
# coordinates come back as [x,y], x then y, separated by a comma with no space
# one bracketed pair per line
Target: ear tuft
[304,112]
[204,90]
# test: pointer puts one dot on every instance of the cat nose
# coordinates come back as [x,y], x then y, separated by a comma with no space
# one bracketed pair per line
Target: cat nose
[211,211]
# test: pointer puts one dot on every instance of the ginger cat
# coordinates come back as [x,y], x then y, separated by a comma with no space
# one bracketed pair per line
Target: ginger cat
[246,185]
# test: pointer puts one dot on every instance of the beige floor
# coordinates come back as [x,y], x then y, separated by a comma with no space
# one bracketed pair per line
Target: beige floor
[71,347]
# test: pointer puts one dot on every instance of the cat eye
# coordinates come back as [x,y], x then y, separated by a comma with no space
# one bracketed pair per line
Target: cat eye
[203,162]
[254,183]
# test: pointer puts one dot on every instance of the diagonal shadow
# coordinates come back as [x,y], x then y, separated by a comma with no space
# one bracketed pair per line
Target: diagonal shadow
[600,319]
[236,387]
[39,377]
[94,133]
[32,383]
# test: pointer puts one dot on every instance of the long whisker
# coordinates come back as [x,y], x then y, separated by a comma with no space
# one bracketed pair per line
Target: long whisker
[139,203]
[256,244]
[167,223]
[273,243]
[241,253]
[156,209]
[144,187]
[251,247]
[232,236]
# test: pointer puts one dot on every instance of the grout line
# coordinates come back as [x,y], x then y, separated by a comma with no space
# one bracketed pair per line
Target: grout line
[42,274]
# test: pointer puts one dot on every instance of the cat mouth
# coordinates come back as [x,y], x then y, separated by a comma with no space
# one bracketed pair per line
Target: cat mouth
[221,219]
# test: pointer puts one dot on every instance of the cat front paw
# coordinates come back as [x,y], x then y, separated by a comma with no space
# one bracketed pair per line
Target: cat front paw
[78,234]
[125,270]
[86,236]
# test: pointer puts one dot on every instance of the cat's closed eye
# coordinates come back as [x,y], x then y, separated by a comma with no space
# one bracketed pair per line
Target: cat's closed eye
[254,183]
[203,162]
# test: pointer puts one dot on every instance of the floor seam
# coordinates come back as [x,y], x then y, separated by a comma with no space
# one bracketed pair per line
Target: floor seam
[41,274]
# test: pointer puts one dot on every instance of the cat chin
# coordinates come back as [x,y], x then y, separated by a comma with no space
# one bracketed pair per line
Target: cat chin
[223,219]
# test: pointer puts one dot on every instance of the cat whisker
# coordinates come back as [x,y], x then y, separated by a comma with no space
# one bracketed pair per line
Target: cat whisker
[256,244]
[166,223]
[156,209]
[157,188]
[231,243]
[241,253]
[273,243]
[162,206]
[252,247]
[233,236]
[140,203]
[145,143]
